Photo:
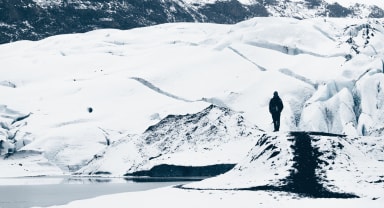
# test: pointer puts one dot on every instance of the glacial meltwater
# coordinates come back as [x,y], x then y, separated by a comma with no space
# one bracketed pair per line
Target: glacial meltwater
[48,191]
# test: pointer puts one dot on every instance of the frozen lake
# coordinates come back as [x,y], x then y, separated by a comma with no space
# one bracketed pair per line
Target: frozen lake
[48,191]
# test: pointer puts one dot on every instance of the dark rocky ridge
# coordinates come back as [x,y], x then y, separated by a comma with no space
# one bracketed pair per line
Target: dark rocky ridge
[308,165]
[303,178]
[184,171]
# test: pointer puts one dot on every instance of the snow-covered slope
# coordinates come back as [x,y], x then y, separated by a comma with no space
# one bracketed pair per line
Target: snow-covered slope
[211,137]
[312,164]
[71,97]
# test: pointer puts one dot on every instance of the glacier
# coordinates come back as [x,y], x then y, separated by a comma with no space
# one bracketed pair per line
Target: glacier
[196,94]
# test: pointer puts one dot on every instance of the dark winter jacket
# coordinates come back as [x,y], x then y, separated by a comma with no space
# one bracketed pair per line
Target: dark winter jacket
[275,105]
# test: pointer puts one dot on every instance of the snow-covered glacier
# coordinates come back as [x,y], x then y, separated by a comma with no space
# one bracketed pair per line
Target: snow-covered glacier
[118,102]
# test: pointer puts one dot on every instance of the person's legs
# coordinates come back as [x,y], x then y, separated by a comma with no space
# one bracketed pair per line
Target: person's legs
[276,122]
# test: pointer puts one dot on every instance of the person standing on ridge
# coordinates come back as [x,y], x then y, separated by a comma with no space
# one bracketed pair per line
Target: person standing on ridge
[275,108]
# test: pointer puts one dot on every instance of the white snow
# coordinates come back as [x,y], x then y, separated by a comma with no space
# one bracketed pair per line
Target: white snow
[173,198]
[349,3]
[47,3]
[345,3]
[83,102]
[246,2]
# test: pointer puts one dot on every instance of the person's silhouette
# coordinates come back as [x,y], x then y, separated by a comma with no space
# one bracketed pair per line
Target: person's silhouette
[275,108]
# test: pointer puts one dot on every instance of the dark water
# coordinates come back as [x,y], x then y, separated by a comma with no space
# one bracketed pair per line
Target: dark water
[49,191]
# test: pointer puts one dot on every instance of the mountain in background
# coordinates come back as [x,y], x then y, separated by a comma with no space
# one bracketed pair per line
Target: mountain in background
[37,19]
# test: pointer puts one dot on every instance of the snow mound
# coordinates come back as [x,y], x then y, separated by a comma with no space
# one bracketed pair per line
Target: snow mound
[308,163]
[214,136]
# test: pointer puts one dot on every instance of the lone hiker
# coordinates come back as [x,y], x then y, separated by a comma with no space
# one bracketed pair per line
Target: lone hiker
[275,108]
